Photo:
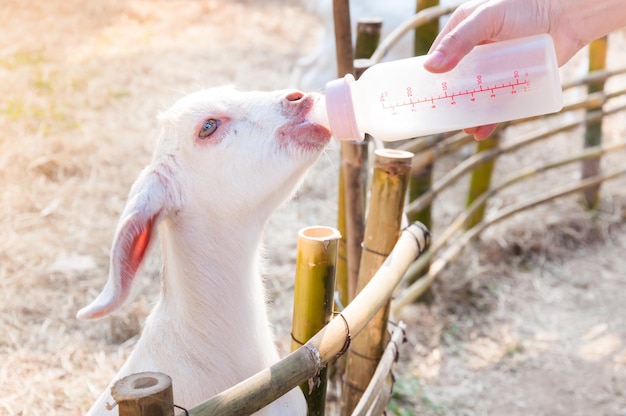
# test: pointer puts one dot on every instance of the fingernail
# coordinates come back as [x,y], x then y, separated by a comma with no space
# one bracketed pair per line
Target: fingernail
[435,60]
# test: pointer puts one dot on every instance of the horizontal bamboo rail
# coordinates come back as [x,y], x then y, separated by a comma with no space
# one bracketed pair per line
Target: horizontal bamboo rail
[442,238]
[267,385]
[414,291]
[375,398]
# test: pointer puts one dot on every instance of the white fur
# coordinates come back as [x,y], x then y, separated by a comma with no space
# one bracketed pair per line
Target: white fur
[211,199]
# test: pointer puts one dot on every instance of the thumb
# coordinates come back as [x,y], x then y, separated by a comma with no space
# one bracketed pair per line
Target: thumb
[465,30]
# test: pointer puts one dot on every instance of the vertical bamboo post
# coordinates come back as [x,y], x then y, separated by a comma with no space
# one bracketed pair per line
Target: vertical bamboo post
[480,180]
[351,154]
[368,32]
[144,394]
[341,272]
[388,190]
[425,34]
[368,36]
[593,131]
[313,300]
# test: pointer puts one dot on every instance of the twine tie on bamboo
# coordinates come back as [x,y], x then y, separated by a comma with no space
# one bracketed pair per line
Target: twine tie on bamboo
[364,247]
[346,344]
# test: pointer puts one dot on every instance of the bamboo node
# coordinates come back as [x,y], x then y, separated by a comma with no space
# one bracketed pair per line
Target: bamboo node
[363,356]
[319,364]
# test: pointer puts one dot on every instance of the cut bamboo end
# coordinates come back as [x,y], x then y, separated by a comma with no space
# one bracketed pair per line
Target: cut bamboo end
[393,154]
[313,300]
[314,282]
[319,233]
[144,394]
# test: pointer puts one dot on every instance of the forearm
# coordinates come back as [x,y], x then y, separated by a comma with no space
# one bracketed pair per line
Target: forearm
[571,23]
[591,19]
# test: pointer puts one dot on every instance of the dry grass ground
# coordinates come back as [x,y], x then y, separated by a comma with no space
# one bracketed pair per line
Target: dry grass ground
[530,321]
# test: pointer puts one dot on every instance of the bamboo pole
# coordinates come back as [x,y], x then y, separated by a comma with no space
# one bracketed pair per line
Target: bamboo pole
[413,292]
[313,300]
[368,32]
[341,274]
[480,180]
[267,385]
[368,36]
[374,395]
[144,394]
[351,154]
[593,132]
[426,33]
[387,196]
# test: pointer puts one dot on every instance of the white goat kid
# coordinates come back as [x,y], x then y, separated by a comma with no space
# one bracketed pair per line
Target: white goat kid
[224,162]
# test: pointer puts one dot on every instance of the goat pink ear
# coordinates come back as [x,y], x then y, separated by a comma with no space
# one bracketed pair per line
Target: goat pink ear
[132,240]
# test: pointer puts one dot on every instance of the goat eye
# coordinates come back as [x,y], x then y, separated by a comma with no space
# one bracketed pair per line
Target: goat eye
[208,128]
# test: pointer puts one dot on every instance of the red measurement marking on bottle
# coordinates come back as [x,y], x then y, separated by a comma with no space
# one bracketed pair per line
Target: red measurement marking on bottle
[452,98]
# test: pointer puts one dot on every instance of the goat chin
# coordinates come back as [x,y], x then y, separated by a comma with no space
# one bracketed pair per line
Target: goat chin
[224,162]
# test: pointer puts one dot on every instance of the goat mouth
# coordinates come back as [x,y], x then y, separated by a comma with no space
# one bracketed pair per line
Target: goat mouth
[302,132]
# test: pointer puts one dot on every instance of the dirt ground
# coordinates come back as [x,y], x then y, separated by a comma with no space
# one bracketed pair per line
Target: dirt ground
[530,321]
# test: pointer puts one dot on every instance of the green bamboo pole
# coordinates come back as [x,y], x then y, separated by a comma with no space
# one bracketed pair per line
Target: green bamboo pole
[593,132]
[313,300]
[387,196]
[341,274]
[413,292]
[480,180]
[331,342]
[425,34]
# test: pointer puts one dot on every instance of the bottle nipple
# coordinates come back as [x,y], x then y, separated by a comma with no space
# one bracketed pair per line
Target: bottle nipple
[341,115]
[318,113]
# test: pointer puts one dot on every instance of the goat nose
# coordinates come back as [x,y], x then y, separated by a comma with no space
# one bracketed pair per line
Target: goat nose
[294,96]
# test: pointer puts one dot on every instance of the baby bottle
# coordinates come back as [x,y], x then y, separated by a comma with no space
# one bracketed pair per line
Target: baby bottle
[397,100]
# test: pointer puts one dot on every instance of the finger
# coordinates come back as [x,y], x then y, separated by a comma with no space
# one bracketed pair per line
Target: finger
[474,29]
[482,132]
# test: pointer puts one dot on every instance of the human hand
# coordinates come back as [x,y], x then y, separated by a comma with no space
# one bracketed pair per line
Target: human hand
[483,21]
